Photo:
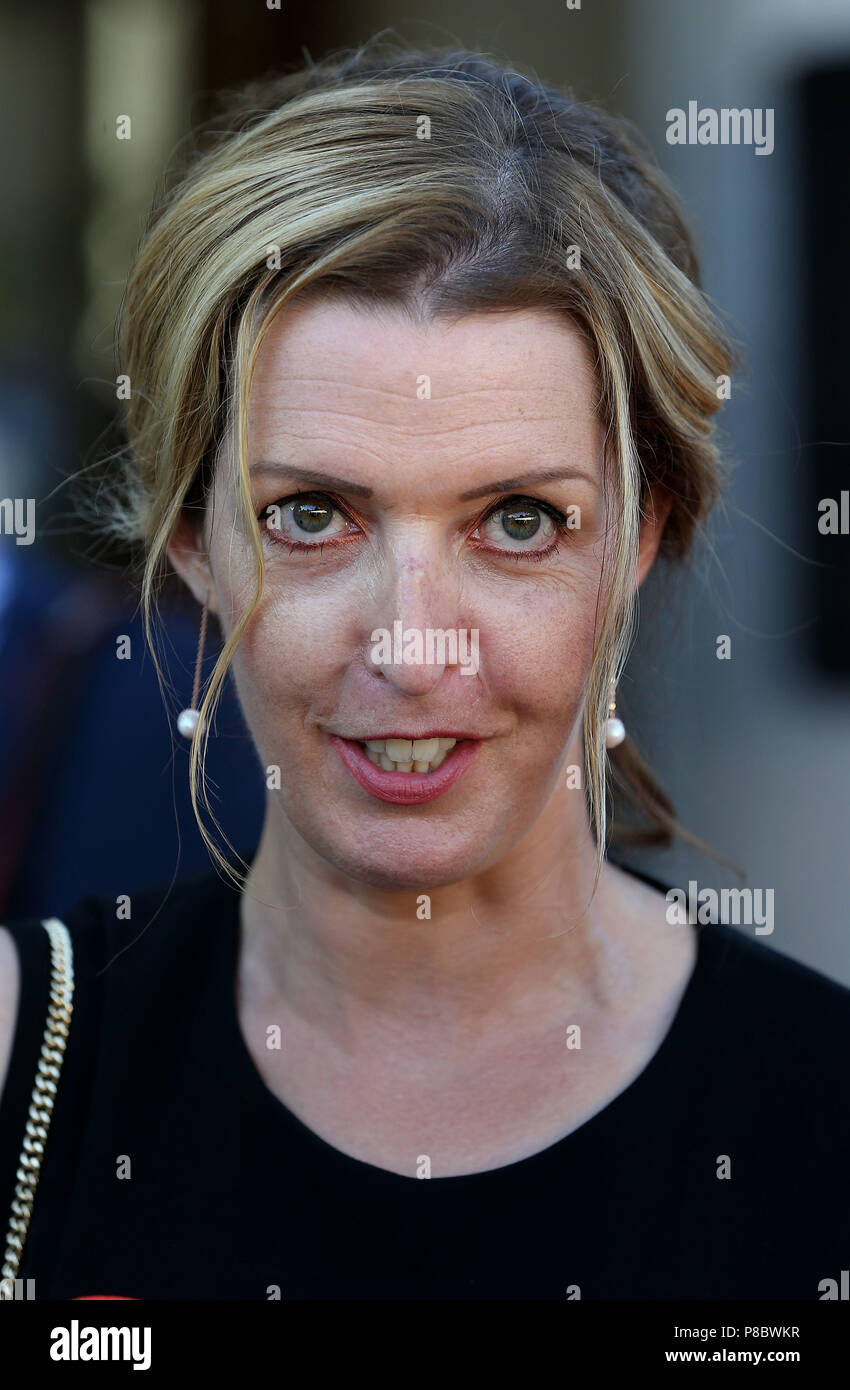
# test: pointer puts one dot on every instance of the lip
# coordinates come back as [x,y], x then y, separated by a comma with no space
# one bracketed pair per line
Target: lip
[406,788]
[429,733]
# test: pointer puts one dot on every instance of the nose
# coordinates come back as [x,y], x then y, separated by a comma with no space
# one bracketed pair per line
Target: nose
[416,638]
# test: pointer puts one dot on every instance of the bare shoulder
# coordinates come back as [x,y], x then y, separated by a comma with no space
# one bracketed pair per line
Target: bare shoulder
[9,991]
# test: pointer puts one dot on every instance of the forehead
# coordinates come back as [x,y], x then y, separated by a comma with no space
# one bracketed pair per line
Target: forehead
[372,381]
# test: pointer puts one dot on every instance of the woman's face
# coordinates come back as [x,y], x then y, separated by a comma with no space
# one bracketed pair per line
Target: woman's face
[445,478]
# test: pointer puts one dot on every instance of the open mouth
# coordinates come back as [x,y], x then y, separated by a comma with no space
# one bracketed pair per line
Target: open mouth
[408,755]
[407,771]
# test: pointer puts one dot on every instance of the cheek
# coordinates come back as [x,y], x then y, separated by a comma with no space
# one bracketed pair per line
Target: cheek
[536,648]
[298,643]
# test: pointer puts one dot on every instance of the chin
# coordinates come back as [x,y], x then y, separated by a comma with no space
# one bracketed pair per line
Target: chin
[405,858]
[410,880]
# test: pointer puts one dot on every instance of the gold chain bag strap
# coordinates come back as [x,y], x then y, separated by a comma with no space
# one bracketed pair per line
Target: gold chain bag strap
[43,1096]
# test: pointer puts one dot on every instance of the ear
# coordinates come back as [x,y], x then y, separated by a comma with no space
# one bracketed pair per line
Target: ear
[188,554]
[657,509]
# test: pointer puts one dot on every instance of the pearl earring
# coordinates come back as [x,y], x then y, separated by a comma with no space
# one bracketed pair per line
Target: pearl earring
[189,719]
[615,729]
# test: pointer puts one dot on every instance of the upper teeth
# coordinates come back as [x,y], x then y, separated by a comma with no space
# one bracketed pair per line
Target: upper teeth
[408,755]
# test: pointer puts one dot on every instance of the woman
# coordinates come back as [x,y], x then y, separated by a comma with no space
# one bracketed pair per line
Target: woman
[422,385]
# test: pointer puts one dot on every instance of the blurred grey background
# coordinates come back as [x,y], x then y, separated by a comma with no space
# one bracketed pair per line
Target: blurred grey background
[755,750]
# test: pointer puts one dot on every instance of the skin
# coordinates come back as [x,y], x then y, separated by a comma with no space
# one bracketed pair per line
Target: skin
[446,1036]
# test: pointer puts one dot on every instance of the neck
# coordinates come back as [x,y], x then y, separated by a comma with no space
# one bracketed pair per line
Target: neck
[498,940]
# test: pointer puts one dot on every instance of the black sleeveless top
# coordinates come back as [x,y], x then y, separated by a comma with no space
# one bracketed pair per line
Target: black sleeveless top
[229,1196]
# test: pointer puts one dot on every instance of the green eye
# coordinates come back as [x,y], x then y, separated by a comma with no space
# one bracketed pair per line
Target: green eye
[307,514]
[520,522]
[312,514]
[512,524]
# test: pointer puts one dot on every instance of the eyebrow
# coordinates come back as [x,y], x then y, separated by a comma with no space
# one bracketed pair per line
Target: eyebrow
[308,475]
[541,475]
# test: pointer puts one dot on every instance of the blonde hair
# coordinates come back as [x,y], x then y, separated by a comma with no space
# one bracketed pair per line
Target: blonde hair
[320,180]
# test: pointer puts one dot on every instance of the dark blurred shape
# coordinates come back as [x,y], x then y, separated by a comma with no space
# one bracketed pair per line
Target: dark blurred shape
[93,783]
[825,209]
[239,43]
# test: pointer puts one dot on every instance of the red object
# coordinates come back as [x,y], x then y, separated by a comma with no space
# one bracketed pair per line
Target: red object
[405,788]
